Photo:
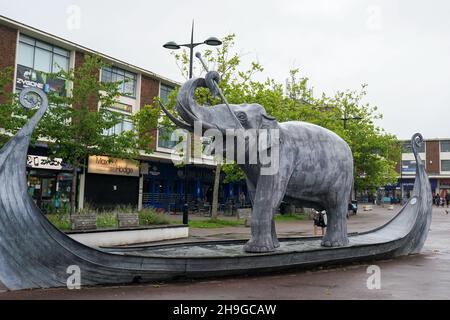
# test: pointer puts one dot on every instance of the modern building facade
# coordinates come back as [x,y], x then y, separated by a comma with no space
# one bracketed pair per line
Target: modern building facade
[154,181]
[436,155]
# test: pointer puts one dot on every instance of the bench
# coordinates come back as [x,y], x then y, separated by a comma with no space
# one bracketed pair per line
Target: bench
[245,213]
[128,220]
[84,222]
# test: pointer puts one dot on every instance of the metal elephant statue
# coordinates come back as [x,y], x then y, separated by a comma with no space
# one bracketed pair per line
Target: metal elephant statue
[314,169]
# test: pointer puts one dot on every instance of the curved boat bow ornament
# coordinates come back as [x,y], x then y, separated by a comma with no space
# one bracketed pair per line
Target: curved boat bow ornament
[34,254]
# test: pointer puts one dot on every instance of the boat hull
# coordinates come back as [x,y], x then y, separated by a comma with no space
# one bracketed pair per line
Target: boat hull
[34,254]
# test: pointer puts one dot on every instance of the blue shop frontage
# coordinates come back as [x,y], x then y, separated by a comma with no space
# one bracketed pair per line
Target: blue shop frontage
[393,193]
[164,185]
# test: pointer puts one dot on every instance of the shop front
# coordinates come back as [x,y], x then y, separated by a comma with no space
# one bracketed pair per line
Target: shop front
[111,182]
[164,184]
[49,183]
[404,187]
[444,186]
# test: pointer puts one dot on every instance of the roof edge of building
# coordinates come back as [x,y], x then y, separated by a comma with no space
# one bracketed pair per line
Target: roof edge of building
[43,35]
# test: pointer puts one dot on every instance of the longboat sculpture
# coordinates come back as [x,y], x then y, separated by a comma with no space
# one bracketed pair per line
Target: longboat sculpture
[35,254]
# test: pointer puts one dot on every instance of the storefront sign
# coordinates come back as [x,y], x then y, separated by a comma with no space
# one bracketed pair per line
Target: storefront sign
[39,162]
[409,166]
[122,107]
[27,77]
[113,166]
[144,168]
[154,171]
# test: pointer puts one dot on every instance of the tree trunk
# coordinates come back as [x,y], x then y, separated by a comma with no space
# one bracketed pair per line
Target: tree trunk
[215,200]
[73,189]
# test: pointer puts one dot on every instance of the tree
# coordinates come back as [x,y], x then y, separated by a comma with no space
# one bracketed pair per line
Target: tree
[76,125]
[12,115]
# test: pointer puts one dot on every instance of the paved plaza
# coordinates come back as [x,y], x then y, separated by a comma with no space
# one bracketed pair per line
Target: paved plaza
[422,276]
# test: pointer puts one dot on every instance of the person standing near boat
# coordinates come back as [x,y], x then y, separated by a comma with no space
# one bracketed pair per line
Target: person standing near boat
[447,198]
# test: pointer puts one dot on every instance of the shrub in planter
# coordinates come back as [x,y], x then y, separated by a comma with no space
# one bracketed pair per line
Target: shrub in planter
[151,217]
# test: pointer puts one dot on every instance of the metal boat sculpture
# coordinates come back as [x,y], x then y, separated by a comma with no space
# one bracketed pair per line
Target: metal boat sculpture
[35,254]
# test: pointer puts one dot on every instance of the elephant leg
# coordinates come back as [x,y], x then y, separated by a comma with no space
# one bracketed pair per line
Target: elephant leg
[269,192]
[276,243]
[336,235]
[251,191]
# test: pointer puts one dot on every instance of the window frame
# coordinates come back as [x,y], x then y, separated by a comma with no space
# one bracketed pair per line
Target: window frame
[442,142]
[47,47]
[128,77]
[167,90]
[407,148]
[442,166]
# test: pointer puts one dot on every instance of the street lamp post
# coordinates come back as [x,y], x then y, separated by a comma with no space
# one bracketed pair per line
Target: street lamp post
[211,41]
[346,118]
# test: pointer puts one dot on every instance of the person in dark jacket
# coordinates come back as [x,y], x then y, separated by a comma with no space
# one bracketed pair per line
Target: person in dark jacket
[437,200]
[447,198]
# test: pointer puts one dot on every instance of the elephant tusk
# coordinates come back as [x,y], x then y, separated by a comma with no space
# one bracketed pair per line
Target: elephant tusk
[175,120]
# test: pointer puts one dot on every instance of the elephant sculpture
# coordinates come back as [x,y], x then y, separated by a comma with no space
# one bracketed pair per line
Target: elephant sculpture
[315,167]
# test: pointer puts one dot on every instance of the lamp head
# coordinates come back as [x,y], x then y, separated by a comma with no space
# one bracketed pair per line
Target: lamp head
[171,45]
[213,41]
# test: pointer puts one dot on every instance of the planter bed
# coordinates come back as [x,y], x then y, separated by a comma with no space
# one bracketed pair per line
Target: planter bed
[128,236]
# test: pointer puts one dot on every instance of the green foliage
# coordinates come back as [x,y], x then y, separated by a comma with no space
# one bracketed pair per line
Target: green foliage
[60,221]
[232,173]
[290,217]
[150,217]
[215,223]
[12,115]
[107,220]
[78,132]
[74,127]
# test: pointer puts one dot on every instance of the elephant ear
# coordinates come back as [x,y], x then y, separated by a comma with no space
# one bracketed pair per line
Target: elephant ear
[268,123]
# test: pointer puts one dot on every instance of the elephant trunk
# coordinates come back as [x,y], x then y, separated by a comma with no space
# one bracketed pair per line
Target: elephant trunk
[187,106]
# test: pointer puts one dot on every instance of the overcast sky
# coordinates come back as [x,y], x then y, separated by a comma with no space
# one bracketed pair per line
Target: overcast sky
[401,49]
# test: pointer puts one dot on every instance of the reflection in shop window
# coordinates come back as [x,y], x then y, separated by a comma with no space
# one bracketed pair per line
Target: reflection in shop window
[164,138]
[42,56]
[165,90]
[127,80]
[125,125]
[409,166]
[50,190]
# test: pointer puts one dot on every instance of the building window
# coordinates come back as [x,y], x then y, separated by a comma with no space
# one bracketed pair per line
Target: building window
[125,125]
[164,141]
[445,165]
[408,166]
[127,80]
[445,146]
[407,148]
[42,56]
[164,134]
[165,90]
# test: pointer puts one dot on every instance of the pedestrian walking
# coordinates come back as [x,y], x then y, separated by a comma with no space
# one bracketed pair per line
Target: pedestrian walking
[319,221]
[242,199]
[437,199]
[447,198]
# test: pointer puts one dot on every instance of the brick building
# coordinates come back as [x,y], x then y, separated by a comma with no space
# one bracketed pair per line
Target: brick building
[156,182]
[436,155]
